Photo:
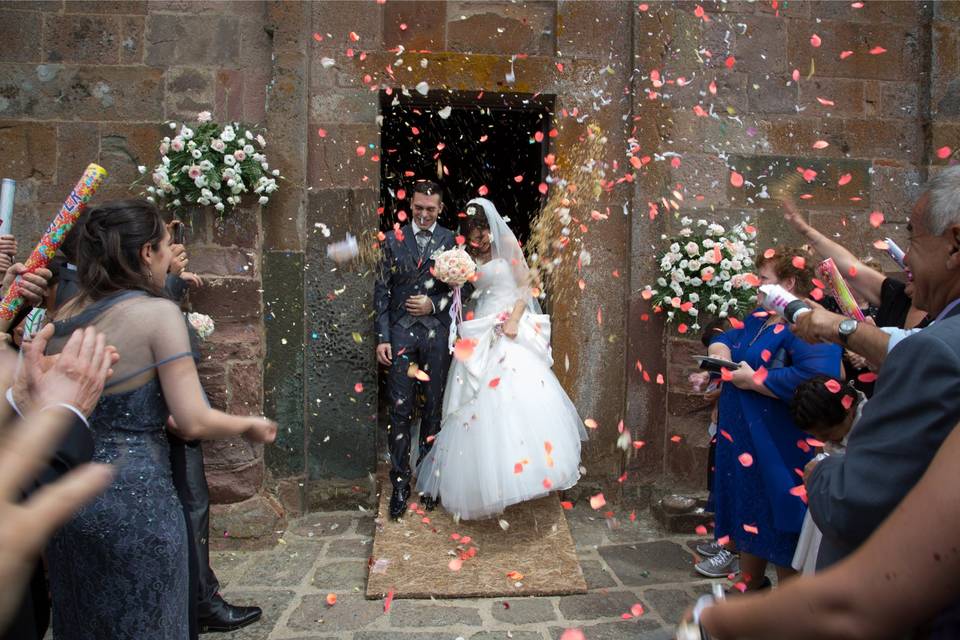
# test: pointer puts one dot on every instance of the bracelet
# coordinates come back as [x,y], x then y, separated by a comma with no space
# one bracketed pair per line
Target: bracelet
[69,407]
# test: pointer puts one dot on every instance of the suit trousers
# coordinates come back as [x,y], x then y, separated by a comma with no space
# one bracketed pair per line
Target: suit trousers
[428,349]
[186,459]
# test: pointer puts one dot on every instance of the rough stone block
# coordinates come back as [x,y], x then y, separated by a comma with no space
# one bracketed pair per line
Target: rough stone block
[594,606]
[335,20]
[901,61]
[255,97]
[333,160]
[495,27]
[417,25]
[847,96]
[107,7]
[761,48]
[286,565]
[524,611]
[230,300]
[351,613]
[647,563]
[200,40]
[20,36]
[592,28]
[239,228]
[82,39]
[344,106]
[190,90]
[766,174]
[893,140]
[232,341]
[772,94]
[414,613]
[29,150]
[131,39]
[246,386]
[229,98]
[235,484]
[893,11]
[255,42]
[669,603]
[230,453]
[252,523]
[125,146]
[93,93]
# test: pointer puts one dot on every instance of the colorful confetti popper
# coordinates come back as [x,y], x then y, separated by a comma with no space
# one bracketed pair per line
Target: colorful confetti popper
[45,250]
[828,271]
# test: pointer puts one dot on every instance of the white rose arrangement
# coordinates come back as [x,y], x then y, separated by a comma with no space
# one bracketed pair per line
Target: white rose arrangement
[210,164]
[454,267]
[706,270]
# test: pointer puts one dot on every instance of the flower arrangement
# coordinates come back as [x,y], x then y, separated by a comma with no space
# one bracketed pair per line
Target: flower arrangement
[454,267]
[203,324]
[211,164]
[706,269]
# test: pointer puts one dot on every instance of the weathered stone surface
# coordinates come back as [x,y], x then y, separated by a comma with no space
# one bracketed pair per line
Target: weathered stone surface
[246,387]
[593,606]
[125,146]
[669,603]
[93,93]
[235,484]
[107,7]
[350,548]
[507,635]
[220,297]
[415,25]
[230,452]
[648,563]
[495,27]
[627,629]
[418,613]
[320,525]
[222,262]
[251,523]
[21,36]
[341,575]
[201,40]
[273,602]
[189,91]
[523,611]
[351,612]
[29,150]
[131,39]
[285,565]
[596,576]
[82,39]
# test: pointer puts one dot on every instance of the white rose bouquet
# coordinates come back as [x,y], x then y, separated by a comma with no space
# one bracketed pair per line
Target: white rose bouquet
[706,269]
[454,267]
[203,324]
[210,164]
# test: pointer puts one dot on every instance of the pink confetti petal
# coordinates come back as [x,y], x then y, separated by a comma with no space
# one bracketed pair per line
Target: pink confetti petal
[944,152]
[745,459]
[736,179]
[877,51]
[815,40]
[821,144]
[844,179]
[876,219]
[597,501]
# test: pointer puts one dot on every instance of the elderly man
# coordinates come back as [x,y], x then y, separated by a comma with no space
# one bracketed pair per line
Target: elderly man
[916,403]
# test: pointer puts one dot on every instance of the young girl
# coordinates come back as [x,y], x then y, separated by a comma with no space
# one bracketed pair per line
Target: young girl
[827,410]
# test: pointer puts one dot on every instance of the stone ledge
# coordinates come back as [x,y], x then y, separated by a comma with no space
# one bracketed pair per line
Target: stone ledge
[251,524]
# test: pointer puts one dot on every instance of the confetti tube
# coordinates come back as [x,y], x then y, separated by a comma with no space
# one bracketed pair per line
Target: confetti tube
[6,206]
[828,271]
[45,250]
[895,252]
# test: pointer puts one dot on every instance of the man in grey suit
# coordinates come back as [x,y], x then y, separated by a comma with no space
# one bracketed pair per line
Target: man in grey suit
[916,403]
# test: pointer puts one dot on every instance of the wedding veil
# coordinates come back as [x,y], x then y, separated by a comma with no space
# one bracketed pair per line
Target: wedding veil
[504,245]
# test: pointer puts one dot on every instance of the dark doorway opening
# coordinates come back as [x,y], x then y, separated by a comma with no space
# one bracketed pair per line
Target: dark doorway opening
[465,142]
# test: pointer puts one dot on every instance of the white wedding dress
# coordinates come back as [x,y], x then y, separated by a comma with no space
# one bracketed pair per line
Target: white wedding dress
[509,431]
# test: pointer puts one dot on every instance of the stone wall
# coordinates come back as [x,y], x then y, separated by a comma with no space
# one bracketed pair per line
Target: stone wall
[872,109]
[93,81]
[85,82]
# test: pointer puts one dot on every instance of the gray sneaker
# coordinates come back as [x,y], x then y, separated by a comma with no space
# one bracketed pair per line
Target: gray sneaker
[708,549]
[719,566]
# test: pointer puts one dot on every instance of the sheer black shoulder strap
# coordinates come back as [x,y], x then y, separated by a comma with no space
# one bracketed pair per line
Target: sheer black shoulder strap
[155,365]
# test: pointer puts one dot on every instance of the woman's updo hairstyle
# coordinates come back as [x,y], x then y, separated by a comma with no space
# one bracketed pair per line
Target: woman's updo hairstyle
[108,245]
[474,218]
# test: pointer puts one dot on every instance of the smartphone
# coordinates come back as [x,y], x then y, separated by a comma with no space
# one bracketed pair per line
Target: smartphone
[715,364]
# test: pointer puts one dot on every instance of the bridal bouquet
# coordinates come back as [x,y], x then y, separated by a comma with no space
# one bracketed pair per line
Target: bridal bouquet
[454,267]
[211,163]
[705,269]
[203,324]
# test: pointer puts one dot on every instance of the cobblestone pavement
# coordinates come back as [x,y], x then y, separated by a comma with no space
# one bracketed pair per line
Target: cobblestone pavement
[624,563]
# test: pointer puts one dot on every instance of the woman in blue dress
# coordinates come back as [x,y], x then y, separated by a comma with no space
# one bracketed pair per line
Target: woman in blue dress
[118,569]
[754,503]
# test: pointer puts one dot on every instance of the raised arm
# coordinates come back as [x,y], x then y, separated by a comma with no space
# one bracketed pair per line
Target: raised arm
[865,280]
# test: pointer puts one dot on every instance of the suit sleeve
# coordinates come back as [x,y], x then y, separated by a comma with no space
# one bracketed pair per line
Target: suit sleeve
[75,449]
[176,287]
[914,408]
[381,293]
[806,361]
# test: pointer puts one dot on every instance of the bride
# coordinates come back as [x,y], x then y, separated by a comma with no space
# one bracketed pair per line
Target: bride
[509,431]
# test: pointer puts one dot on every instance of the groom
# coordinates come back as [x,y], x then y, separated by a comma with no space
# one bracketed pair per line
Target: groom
[412,324]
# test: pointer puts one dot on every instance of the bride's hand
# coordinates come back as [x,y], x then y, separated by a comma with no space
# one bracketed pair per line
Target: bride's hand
[511,328]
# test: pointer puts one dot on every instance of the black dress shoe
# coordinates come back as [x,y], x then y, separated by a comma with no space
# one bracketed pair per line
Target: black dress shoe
[429,502]
[398,501]
[226,617]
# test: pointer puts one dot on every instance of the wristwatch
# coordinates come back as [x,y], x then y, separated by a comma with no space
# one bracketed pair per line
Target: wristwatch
[846,329]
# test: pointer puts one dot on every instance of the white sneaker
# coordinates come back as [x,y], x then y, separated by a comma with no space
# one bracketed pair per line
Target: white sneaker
[719,566]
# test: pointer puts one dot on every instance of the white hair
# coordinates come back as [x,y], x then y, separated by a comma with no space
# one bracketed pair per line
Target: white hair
[944,207]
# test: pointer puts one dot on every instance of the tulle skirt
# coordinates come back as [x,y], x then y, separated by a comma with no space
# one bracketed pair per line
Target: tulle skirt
[509,431]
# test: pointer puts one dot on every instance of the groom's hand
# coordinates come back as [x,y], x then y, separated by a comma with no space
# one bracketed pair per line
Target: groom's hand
[419,305]
[385,354]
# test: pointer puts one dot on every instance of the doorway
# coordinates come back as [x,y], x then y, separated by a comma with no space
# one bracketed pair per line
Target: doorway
[463,141]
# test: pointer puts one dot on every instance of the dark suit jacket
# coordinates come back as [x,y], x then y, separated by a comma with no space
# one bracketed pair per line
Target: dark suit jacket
[402,273]
[914,408]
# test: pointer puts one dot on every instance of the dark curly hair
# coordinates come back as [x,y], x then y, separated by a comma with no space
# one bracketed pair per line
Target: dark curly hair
[783,265]
[108,243]
[815,408]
